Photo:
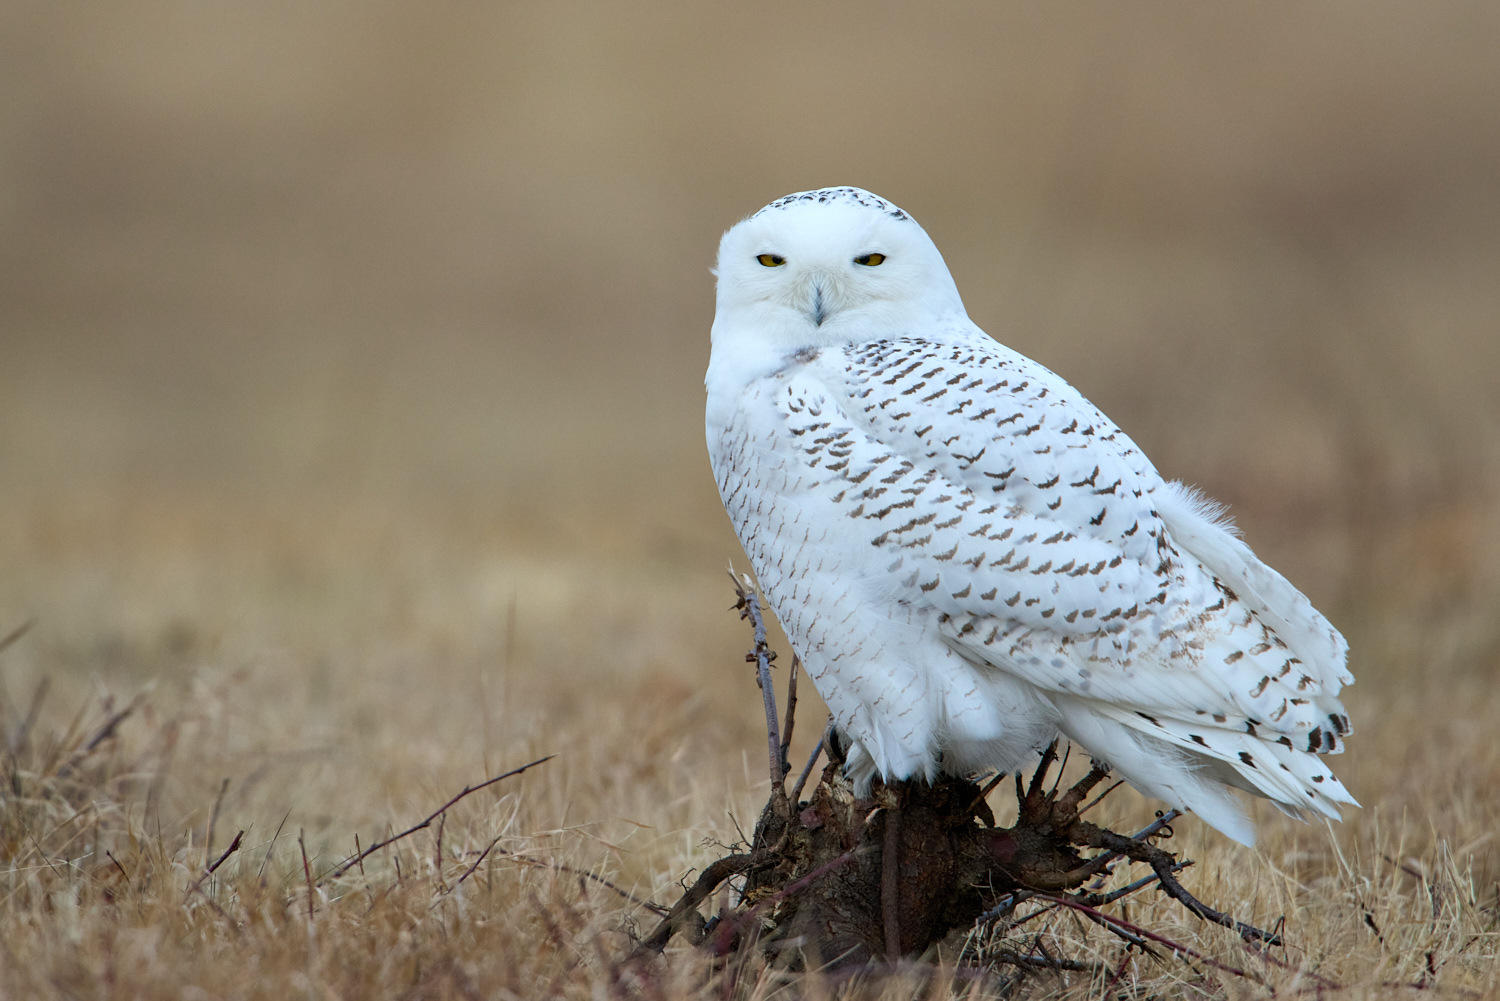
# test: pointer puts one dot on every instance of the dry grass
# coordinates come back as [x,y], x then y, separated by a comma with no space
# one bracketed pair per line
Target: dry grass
[350,418]
[342,676]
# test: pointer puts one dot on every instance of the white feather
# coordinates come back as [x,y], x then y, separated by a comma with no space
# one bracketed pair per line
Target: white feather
[970,558]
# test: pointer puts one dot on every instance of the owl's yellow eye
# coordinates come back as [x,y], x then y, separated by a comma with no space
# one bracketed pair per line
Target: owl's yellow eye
[870,260]
[771,260]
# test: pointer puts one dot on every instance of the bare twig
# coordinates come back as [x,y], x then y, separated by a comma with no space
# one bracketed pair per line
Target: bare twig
[791,715]
[1100,899]
[1109,987]
[1404,867]
[1046,909]
[812,760]
[1033,792]
[306,873]
[213,820]
[984,793]
[234,846]
[1141,933]
[584,873]
[349,863]
[975,975]
[1100,798]
[1010,901]
[748,604]
[1006,905]
[272,845]
[1156,825]
[383,894]
[1045,962]
[1126,934]
[706,884]
[1323,983]
[1051,813]
[1099,862]
[1067,753]
[482,856]
[1098,772]
[1162,862]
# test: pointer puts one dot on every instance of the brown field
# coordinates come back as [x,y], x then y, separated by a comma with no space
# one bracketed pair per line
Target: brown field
[350,435]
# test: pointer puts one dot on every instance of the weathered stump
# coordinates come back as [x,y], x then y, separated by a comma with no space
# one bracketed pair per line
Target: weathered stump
[831,884]
[839,881]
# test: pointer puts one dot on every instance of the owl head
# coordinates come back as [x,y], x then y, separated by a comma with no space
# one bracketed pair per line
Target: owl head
[830,266]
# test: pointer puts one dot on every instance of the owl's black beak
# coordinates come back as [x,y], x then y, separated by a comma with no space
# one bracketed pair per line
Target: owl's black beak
[819,311]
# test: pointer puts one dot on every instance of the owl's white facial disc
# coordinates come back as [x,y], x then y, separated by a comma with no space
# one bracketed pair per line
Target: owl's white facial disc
[825,267]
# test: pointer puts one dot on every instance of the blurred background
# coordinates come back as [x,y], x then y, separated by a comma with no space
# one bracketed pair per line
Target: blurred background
[317,319]
[351,411]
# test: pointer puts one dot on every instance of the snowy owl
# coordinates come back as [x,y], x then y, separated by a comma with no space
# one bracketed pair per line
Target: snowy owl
[971,559]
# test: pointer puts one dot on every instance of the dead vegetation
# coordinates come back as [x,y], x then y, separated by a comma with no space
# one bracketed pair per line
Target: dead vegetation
[351,455]
[114,885]
[838,881]
[854,887]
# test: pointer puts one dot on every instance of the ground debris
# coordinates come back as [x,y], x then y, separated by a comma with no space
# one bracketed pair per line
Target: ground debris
[917,871]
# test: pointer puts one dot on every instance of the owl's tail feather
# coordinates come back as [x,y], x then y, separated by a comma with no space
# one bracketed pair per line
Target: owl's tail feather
[1155,768]
[1191,766]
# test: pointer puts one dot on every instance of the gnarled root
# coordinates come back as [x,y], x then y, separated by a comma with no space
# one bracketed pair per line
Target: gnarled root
[819,884]
[843,882]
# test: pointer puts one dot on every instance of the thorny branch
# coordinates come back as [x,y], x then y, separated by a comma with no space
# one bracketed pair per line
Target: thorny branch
[791,716]
[1163,864]
[686,909]
[355,859]
[650,905]
[477,863]
[1137,849]
[1135,932]
[306,873]
[748,603]
[234,846]
[1012,900]
[812,760]
[780,875]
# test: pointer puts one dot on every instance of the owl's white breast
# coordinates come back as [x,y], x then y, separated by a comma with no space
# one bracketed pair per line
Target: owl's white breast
[778,446]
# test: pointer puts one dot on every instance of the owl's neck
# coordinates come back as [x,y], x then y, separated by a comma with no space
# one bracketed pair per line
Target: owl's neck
[745,352]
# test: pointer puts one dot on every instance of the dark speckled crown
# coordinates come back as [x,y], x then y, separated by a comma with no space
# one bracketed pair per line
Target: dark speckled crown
[830,196]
